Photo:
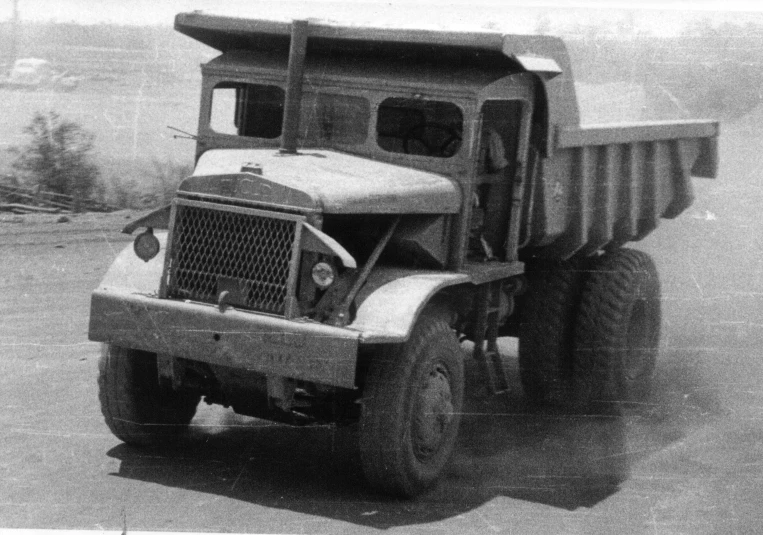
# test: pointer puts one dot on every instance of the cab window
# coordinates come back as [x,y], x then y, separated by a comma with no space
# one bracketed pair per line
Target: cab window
[251,110]
[418,126]
[329,119]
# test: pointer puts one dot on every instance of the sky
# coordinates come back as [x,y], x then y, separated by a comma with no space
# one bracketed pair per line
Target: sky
[662,17]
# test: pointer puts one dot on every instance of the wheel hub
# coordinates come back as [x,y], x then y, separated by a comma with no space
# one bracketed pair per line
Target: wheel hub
[434,413]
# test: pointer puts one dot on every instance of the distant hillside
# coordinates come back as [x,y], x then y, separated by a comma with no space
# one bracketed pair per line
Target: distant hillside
[158,55]
[34,35]
[134,82]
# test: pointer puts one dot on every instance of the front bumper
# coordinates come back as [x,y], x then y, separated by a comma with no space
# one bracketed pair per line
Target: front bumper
[266,344]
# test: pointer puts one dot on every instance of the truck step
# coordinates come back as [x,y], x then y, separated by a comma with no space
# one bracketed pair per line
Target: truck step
[496,373]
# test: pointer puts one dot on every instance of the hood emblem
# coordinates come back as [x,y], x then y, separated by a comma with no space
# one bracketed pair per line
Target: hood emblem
[250,188]
[254,168]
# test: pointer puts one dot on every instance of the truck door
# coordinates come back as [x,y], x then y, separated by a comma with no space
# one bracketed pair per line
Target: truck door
[500,174]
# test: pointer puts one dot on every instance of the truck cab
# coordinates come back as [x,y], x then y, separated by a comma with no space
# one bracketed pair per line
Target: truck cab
[365,199]
[397,114]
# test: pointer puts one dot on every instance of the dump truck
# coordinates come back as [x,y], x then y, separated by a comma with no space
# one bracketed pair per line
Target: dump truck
[369,209]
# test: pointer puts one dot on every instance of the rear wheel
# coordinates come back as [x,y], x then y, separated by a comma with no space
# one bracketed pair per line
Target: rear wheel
[137,408]
[618,331]
[411,409]
[547,323]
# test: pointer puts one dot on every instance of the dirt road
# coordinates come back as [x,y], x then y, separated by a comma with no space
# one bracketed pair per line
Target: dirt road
[689,462]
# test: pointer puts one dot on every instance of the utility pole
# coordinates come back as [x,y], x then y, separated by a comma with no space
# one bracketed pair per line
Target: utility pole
[15,32]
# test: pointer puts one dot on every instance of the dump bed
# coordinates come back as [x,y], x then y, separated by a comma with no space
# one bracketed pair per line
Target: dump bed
[610,184]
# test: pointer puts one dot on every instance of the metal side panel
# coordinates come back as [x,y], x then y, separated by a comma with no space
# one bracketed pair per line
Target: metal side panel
[593,196]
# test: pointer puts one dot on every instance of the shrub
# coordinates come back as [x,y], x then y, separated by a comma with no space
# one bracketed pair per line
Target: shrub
[124,193]
[58,156]
[167,176]
[157,187]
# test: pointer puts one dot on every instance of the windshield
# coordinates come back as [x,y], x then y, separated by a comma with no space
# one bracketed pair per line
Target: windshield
[414,126]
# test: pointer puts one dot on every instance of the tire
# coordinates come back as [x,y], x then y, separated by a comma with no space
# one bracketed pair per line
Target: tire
[547,333]
[618,332]
[411,409]
[137,409]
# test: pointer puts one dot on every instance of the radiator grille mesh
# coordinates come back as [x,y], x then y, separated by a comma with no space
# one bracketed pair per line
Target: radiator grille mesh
[249,256]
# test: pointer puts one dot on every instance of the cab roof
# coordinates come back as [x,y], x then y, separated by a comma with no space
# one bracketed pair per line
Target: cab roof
[542,54]
[361,73]
[226,32]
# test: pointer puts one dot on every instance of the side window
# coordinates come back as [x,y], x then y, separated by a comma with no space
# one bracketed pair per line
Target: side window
[417,126]
[223,119]
[250,110]
[330,118]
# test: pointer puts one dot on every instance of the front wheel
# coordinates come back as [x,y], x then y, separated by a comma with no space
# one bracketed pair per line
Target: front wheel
[618,331]
[137,408]
[411,409]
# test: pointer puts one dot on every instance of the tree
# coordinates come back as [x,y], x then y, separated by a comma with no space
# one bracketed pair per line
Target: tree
[58,156]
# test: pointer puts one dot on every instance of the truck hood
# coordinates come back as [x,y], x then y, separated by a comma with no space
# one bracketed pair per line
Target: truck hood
[321,180]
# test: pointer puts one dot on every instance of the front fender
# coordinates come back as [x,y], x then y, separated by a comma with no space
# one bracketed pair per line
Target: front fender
[130,273]
[392,299]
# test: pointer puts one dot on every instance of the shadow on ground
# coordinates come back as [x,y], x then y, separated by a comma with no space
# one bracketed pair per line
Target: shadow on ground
[506,448]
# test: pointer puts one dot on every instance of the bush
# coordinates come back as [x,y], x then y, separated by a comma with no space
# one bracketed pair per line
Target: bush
[58,156]
[124,193]
[167,176]
[157,188]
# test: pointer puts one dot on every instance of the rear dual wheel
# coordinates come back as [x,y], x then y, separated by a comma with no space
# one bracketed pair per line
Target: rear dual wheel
[547,328]
[590,330]
[618,332]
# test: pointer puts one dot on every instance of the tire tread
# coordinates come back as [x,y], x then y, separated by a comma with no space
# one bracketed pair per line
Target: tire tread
[384,414]
[547,329]
[135,408]
[619,278]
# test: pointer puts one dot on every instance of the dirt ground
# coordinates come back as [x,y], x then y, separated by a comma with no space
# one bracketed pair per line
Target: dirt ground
[688,462]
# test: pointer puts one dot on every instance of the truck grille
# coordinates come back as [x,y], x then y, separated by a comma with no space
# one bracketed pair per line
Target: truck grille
[246,252]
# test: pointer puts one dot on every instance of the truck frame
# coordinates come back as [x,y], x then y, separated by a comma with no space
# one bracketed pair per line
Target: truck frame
[364,202]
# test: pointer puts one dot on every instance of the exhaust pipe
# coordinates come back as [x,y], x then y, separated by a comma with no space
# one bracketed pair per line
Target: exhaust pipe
[293,103]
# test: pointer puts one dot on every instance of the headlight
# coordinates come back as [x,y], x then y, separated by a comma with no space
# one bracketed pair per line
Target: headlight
[146,246]
[323,275]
